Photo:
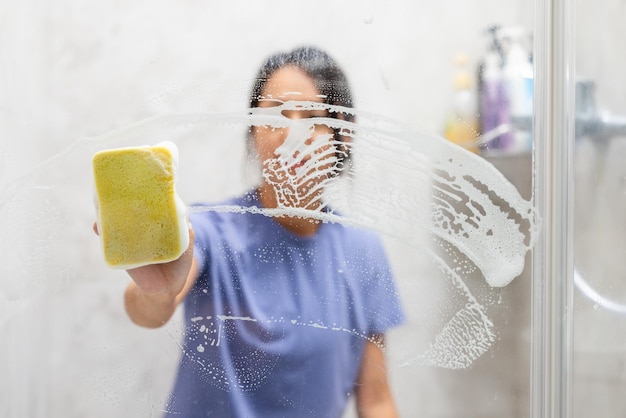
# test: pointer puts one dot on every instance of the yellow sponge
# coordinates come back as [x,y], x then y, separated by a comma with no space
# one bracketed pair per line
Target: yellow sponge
[141,219]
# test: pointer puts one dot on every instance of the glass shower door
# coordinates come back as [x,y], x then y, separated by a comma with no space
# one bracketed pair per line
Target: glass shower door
[456,225]
[599,340]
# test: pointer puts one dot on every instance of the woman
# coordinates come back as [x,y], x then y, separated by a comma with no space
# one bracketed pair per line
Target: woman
[285,315]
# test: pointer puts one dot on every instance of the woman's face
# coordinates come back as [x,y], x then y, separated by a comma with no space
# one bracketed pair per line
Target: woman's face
[309,155]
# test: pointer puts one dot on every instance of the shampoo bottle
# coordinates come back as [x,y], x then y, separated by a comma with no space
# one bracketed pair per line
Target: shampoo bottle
[496,135]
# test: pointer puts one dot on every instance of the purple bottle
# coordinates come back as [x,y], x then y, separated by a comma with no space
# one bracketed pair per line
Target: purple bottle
[495,123]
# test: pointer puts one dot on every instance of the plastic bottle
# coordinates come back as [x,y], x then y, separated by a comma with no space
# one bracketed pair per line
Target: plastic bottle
[495,124]
[462,123]
[518,82]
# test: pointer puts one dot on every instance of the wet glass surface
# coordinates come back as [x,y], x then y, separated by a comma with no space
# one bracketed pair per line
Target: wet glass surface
[456,226]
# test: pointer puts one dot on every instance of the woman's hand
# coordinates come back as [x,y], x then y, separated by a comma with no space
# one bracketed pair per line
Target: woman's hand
[164,280]
[156,289]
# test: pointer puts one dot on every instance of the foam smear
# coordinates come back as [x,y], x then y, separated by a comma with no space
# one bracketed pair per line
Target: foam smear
[411,186]
[468,204]
[253,366]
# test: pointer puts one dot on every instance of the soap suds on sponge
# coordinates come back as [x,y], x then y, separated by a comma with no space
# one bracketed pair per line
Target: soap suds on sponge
[141,219]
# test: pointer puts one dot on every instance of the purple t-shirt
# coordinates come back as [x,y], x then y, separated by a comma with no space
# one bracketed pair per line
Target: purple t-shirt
[276,323]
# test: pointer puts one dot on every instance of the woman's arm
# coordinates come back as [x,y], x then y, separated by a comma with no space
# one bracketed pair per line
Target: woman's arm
[373,393]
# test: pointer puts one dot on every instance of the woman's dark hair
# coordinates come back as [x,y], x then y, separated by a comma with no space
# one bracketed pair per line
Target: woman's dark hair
[326,75]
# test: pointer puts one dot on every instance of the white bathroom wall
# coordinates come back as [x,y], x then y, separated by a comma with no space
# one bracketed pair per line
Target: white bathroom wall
[73,70]
[598,28]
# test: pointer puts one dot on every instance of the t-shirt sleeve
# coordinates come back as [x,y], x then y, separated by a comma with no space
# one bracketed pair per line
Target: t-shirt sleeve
[203,231]
[383,307]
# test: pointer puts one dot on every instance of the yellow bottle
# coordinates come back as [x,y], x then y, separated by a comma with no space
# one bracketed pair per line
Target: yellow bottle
[462,124]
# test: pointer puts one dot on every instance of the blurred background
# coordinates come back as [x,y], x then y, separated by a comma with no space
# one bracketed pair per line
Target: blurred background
[77,76]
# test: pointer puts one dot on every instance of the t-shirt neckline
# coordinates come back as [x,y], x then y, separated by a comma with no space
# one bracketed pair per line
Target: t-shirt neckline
[254,198]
